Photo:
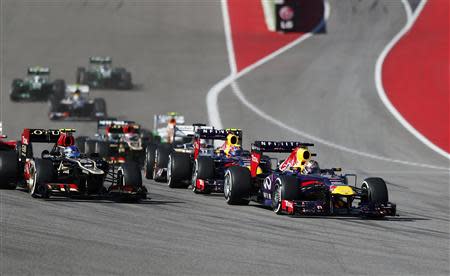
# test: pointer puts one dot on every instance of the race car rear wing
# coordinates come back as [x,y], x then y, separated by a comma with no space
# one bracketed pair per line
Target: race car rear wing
[72,88]
[38,135]
[258,147]
[37,70]
[100,60]
[214,134]
[109,122]
[278,146]
[188,130]
[218,134]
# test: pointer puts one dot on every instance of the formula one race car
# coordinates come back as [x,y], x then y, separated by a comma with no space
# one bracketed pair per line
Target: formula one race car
[116,141]
[100,74]
[37,86]
[209,164]
[157,156]
[163,128]
[298,187]
[9,170]
[64,171]
[77,105]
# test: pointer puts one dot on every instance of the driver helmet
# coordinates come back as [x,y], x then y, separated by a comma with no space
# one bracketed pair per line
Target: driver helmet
[311,167]
[233,150]
[72,152]
[76,94]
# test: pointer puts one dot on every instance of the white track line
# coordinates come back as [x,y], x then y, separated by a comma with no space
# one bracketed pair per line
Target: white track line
[213,94]
[412,17]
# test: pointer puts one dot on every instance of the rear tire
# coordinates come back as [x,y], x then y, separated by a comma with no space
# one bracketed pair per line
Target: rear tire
[99,108]
[59,89]
[89,147]
[376,188]
[81,75]
[9,169]
[149,161]
[80,142]
[102,148]
[178,169]
[237,185]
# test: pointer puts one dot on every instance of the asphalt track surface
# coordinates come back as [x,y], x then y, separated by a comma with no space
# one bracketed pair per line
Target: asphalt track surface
[324,86]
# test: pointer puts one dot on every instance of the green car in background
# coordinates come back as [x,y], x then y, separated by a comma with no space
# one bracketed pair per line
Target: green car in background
[100,74]
[37,86]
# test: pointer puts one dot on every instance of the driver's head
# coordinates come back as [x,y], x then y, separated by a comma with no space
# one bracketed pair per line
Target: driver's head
[71,152]
[232,140]
[311,167]
[77,94]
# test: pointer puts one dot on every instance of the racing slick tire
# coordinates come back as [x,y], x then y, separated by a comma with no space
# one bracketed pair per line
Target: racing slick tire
[99,108]
[43,174]
[89,147]
[102,148]
[131,174]
[15,89]
[178,169]
[162,153]
[81,75]
[237,185]
[286,187]
[203,170]
[54,103]
[59,89]
[80,142]
[9,169]
[376,188]
[149,161]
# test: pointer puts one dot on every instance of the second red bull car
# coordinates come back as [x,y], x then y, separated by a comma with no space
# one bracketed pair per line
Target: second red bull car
[293,189]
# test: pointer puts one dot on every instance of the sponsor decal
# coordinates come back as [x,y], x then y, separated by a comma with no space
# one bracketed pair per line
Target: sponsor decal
[268,184]
[289,204]
[290,161]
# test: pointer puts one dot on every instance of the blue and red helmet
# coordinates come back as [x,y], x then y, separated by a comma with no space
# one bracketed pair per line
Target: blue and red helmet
[72,152]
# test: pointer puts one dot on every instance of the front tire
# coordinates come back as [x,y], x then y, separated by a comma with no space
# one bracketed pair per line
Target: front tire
[99,108]
[286,188]
[204,168]
[161,160]
[43,174]
[237,185]
[376,190]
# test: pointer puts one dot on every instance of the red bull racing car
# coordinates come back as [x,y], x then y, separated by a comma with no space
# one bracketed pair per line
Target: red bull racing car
[209,164]
[292,188]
